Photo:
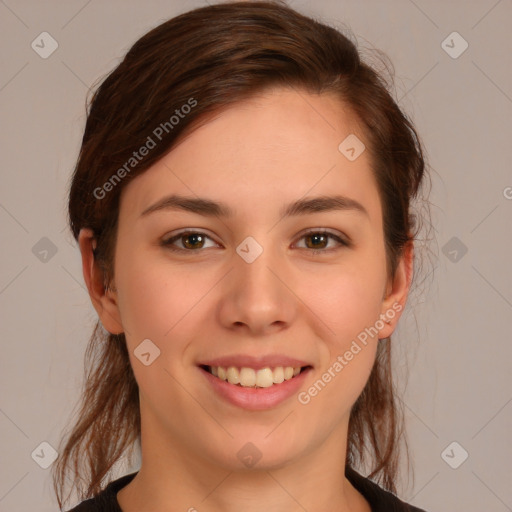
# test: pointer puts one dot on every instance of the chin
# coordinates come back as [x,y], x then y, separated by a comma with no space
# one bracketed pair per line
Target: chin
[257,452]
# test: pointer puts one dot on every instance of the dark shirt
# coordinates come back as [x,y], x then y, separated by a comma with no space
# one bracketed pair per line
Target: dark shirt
[379,499]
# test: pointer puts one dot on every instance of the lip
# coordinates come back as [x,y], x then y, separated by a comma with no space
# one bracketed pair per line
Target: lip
[256,399]
[256,363]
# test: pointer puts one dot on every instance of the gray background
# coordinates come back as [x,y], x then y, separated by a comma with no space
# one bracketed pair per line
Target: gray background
[455,334]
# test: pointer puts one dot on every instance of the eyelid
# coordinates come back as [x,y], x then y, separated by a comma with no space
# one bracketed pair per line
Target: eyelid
[342,239]
[167,241]
[339,234]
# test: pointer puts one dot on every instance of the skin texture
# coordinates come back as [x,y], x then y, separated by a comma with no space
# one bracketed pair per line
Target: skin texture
[208,302]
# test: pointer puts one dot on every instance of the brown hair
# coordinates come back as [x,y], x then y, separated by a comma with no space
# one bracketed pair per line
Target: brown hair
[211,58]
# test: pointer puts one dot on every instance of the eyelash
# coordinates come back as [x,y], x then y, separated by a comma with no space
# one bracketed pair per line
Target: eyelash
[343,243]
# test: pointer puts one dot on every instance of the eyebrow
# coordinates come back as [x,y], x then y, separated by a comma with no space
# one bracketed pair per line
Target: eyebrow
[210,208]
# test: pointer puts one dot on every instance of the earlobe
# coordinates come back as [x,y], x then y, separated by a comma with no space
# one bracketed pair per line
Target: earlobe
[103,298]
[397,292]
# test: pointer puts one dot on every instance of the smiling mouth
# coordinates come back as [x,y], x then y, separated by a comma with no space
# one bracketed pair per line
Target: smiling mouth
[251,378]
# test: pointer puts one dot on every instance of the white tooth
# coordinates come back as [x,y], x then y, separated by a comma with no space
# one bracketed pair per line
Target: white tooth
[233,375]
[278,375]
[264,378]
[247,377]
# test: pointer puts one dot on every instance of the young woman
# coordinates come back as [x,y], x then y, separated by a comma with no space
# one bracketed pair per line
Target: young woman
[242,204]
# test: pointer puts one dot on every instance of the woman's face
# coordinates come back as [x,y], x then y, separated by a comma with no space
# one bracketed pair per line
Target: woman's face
[247,289]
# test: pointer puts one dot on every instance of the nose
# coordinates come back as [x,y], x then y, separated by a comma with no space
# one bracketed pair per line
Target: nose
[258,294]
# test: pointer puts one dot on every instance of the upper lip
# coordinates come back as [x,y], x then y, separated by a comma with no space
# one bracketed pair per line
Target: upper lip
[255,362]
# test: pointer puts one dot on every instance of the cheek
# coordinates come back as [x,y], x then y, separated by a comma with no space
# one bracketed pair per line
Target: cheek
[157,303]
[348,301]
[153,298]
[350,307]
[348,296]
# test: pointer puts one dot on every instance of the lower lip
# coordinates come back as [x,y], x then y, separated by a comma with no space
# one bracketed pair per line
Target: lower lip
[256,399]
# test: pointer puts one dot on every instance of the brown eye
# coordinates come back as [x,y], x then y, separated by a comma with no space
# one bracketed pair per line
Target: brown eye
[318,241]
[193,240]
[189,240]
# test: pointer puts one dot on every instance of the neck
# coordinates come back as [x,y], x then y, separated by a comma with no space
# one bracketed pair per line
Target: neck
[174,478]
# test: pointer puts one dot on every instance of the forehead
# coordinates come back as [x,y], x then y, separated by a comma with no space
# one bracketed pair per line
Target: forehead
[276,147]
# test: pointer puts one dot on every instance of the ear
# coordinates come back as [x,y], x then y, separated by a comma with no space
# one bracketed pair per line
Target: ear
[396,292]
[104,300]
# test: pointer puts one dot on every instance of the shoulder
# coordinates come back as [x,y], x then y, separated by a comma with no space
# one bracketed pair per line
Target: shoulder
[85,506]
[106,500]
[379,499]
